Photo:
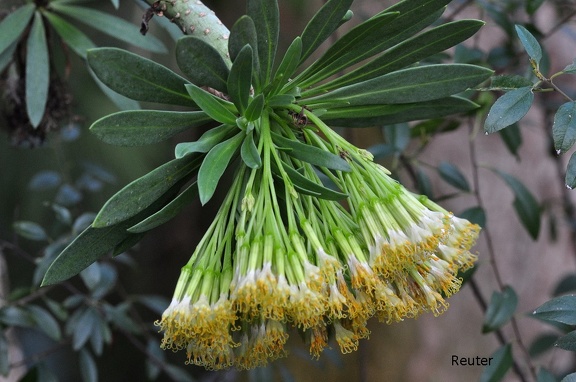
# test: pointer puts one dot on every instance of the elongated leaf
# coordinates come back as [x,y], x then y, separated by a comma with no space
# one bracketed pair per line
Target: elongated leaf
[201,63]
[418,84]
[567,342]
[205,143]
[88,368]
[122,102]
[507,82]
[525,205]
[287,66]
[570,178]
[501,309]
[564,127]
[112,26]
[244,32]
[560,309]
[353,47]
[143,127]
[407,52]
[509,109]
[30,230]
[531,7]
[215,107]
[377,115]
[6,56]
[249,152]
[453,176]
[94,243]
[255,107]
[4,355]
[569,378]
[322,25]
[530,43]
[14,24]
[311,154]
[44,321]
[142,192]
[37,71]
[137,77]
[545,376]
[168,212]
[307,186]
[72,36]
[512,138]
[499,365]
[214,166]
[266,17]
[474,215]
[240,79]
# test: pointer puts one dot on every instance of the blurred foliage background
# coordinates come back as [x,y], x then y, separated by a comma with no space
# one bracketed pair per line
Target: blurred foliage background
[100,326]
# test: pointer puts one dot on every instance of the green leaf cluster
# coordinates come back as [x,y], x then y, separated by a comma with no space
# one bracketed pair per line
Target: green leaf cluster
[259,109]
[29,28]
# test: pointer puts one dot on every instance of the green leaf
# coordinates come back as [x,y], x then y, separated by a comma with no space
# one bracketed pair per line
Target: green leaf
[112,26]
[569,378]
[501,363]
[255,107]
[570,178]
[89,246]
[545,376]
[311,154]
[14,24]
[322,25]
[45,322]
[377,115]
[144,191]
[410,85]
[72,36]
[509,109]
[570,69]
[12,315]
[121,102]
[287,66]
[307,186]
[355,46]
[138,78]
[560,309]
[565,285]
[249,152]
[512,138]
[215,107]
[266,17]
[205,143]
[525,205]
[531,8]
[530,43]
[37,71]
[87,366]
[501,309]
[507,82]
[6,56]
[214,165]
[168,212]
[143,127]
[452,175]
[244,32]
[280,100]
[201,63]
[564,127]
[474,215]
[30,230]
[240,78]
[542,344]
[567,342]
[413,16]
[4,355]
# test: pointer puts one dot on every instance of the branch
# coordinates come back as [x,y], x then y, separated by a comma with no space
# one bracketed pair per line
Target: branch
[193,18]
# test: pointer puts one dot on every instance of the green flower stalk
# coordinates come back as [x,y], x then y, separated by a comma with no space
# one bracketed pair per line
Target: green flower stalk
[312,234]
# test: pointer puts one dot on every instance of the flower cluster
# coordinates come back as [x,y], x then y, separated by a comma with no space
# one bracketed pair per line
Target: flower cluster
[277,257]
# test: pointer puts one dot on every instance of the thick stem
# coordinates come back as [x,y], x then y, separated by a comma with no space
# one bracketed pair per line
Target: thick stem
[195,19]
